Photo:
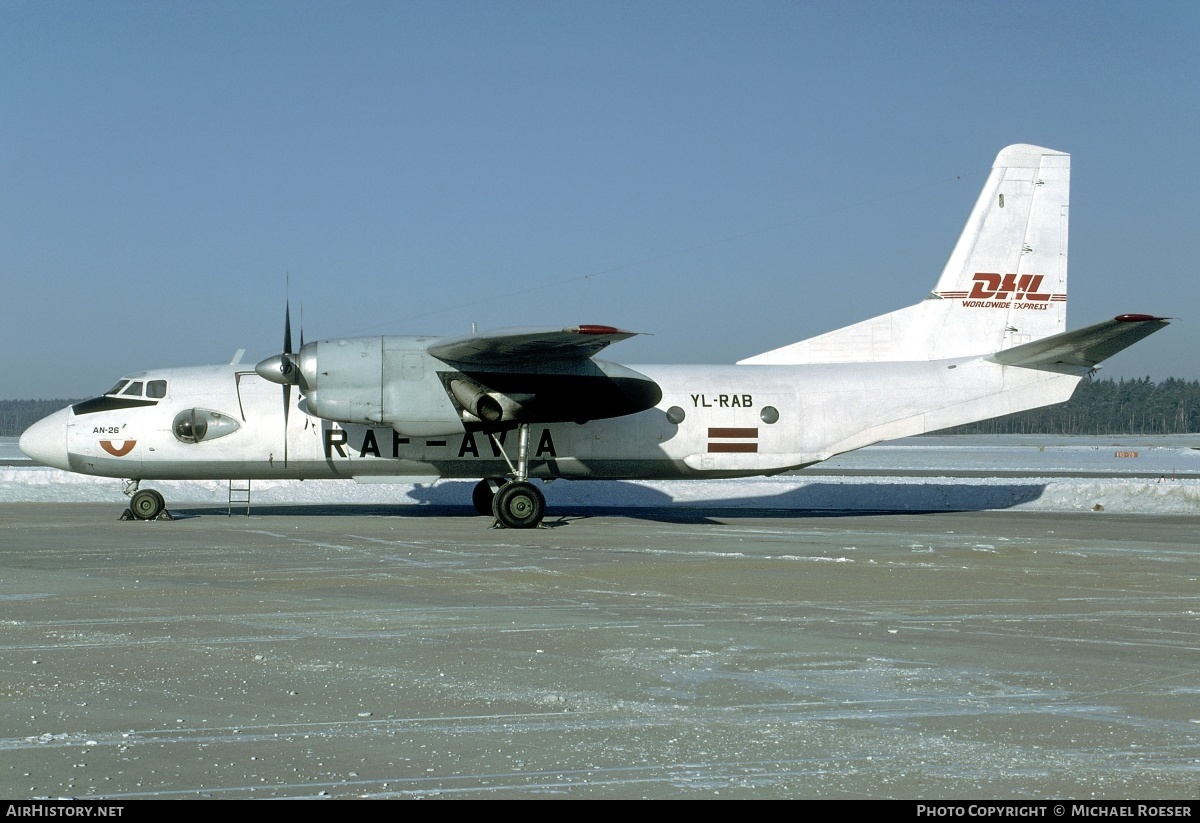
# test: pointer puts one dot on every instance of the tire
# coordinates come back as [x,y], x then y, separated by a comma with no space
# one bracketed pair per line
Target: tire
[147,504]
[519,506]
[482,496]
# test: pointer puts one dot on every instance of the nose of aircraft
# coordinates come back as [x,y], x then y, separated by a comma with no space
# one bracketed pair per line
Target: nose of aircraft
[46,440]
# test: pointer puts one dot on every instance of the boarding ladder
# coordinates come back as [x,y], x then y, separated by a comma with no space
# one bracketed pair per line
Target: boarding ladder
[239,495]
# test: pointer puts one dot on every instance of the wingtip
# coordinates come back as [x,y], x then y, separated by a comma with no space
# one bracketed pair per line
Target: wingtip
[595,328]
[1140,318]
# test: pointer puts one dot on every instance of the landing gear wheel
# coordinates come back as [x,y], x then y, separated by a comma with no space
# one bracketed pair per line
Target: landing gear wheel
[484,494]
[519,505]
[147,504]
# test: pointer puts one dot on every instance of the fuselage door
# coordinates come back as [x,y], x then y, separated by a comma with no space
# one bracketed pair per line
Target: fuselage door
[257,398]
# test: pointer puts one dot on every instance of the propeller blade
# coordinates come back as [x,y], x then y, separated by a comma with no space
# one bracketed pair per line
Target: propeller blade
[287,329]
[287,404]
[285,369]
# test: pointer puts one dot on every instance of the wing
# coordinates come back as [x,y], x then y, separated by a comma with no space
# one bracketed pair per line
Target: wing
[509,376]
[515,348]
[1083,347]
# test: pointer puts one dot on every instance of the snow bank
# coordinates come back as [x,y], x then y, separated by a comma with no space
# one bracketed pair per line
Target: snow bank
[797,493]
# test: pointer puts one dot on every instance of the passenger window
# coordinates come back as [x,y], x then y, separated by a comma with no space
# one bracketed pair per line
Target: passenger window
[156,388]
[117,388]
[134,390]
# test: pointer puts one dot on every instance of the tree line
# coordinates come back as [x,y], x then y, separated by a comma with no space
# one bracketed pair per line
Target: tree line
[1107,407]
[18,415]
[1098,407]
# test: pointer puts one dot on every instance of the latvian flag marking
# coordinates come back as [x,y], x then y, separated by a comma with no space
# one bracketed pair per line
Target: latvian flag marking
[743,440]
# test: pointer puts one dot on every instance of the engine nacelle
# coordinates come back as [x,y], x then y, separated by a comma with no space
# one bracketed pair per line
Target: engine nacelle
[490,408]
[394,381]
[375,380]
[340,379]
[481,405]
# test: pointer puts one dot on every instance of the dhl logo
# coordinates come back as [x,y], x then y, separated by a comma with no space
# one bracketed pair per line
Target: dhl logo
[991,286]
[1025,287]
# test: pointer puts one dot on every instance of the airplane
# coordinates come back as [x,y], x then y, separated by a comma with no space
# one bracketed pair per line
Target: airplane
[516,405]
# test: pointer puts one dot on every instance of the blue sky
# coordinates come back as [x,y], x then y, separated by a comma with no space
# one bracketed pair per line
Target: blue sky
[729,177]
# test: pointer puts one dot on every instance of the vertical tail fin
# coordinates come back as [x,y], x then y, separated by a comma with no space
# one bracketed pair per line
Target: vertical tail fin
[1007,275]
[1004,285]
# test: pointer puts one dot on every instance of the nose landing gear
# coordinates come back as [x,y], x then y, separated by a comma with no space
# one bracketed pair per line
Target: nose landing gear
[144,504]
[147,504]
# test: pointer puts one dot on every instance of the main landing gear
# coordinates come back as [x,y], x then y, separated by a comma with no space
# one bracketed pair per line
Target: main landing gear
[144,504]
[516,504]
[519,505]
[484,493]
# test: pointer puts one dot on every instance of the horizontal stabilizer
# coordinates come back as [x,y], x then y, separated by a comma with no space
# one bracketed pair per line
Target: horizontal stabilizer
[512,347]
[1083,347]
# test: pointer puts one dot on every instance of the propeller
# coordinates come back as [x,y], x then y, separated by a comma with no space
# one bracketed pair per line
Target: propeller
[283,369]
[287,370]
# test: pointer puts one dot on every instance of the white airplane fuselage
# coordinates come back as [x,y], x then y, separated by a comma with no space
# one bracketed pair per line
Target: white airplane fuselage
[712,421]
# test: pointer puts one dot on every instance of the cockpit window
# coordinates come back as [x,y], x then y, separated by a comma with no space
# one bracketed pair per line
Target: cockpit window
[156,388]
[117,388]
[134,390]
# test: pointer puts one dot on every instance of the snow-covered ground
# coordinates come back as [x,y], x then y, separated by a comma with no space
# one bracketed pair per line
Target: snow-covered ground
[1132,454]
[1164,479]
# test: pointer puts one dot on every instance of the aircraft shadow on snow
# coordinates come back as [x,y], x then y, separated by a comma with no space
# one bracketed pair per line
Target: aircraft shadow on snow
[451,499]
